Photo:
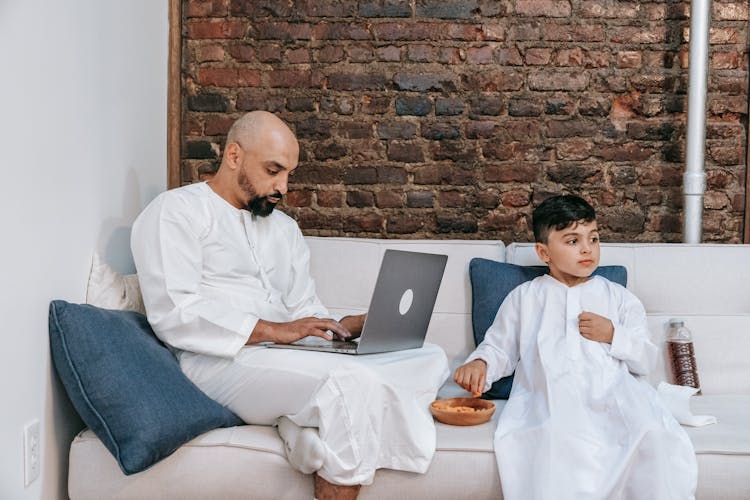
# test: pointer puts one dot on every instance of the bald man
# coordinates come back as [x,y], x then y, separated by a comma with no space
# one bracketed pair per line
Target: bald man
[221,271]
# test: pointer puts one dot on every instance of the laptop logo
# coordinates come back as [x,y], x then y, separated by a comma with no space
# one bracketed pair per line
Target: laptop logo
[406,300]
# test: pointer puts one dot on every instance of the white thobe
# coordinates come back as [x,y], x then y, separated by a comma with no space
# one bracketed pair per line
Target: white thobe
[581,422]
[209,271]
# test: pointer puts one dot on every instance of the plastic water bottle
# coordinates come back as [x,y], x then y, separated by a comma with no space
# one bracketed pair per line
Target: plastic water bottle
[682,354]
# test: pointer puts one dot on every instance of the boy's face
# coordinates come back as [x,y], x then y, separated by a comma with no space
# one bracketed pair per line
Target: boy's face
[572,254]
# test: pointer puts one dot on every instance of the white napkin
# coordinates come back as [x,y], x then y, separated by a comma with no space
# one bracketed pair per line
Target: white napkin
[677,400]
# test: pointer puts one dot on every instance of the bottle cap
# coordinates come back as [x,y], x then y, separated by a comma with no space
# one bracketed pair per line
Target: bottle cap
[676,322]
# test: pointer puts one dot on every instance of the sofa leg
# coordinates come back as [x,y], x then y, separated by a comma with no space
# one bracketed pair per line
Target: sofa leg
[329,491]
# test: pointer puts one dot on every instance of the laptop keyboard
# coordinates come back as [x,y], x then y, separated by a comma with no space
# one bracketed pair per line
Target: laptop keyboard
[317,341]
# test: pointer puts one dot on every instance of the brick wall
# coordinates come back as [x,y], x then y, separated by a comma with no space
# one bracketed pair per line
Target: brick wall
[454,118]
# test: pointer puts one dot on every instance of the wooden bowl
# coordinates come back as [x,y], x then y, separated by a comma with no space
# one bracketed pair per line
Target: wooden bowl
[462,411]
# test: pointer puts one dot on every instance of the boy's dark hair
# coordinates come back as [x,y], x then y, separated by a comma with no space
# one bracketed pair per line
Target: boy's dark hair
[560,212]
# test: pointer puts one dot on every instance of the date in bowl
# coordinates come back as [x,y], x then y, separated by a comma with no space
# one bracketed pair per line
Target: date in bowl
[462,411]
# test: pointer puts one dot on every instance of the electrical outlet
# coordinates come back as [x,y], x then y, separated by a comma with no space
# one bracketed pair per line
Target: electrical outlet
[31,452]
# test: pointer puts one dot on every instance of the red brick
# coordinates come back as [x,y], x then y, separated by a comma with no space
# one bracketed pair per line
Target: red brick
[297,56]
[389,53]
[450,55]
[229,77]
[405,152]
[269,53]
[609,9]
[421,53]
[358,54]
[513,172]
[298,198]
[207,8]
[327,8]
[216,29]
[515,198]
[418,31]
[556,80]
[538,56]
[288,78]
[207,53]
[282,31]
[464,32]
[574,149]
[330,54]
[724,11]
[494,81]
[389,199]
[452,199]
[331,199]
[629,59]
[341,31]
[724,36]
[725,60]
[242,53]
[543,8]
[493,32]
[218,124]
[573,33]
[569,57]
[479,55]
[368,223]
[509,57]
[637,35]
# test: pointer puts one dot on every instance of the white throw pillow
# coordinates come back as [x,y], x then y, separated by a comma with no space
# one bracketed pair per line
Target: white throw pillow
[109,289]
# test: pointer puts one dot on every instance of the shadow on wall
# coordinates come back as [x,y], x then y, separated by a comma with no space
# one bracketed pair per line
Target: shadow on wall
[114,233]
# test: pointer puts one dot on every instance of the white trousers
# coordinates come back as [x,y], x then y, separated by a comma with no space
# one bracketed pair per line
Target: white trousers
[371,411]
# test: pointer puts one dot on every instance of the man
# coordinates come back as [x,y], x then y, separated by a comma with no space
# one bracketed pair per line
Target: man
[221,271]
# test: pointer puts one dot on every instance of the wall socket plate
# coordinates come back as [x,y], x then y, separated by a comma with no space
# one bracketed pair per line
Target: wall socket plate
[31,452]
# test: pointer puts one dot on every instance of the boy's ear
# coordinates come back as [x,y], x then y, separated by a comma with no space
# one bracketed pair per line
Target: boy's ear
[542,252]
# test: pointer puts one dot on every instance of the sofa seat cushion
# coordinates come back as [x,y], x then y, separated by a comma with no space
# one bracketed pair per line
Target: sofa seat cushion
[227,463]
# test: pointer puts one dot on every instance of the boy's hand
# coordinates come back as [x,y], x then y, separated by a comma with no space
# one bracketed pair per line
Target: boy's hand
[472,376]
[595,327]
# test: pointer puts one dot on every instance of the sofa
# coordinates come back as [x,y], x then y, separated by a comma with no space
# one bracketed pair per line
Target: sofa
[707,285]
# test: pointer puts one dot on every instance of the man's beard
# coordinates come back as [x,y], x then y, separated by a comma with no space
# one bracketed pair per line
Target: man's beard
[260,206]
[257,205]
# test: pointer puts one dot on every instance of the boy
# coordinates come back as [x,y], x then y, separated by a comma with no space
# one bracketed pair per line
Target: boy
[580,422]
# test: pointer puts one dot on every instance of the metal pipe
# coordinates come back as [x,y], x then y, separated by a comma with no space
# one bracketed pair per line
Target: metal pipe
[694,180]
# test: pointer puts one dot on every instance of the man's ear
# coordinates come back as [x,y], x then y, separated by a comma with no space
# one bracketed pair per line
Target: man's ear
[232,153]
[542,252]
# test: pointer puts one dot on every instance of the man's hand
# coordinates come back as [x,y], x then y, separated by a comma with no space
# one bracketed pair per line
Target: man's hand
[286,333]
[595,327]
[472,376]
[354,324]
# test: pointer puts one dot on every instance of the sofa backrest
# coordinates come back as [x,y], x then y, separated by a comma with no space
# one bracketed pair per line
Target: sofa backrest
[708,285]
[345,270]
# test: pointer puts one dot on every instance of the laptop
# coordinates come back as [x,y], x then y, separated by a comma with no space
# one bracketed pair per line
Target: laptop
[400,308]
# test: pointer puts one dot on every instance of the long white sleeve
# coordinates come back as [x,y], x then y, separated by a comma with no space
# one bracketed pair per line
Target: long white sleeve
[632,342]
[499,349]
[167,250]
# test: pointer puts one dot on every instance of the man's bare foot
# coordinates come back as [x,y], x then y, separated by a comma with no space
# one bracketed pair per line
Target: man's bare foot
[329,491]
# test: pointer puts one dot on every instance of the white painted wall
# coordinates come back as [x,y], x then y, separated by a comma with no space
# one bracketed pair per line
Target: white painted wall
[82,150]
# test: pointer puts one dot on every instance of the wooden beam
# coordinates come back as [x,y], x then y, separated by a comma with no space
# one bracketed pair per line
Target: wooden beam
[746,224]
[174,95]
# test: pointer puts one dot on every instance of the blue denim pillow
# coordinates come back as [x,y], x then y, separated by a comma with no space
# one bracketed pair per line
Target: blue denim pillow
[128,387]
[491,282]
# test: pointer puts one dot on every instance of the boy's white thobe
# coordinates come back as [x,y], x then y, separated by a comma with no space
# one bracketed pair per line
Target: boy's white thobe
[580,422]
[209,271]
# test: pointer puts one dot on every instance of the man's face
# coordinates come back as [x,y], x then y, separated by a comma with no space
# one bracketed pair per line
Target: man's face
[263,178]
[571,253]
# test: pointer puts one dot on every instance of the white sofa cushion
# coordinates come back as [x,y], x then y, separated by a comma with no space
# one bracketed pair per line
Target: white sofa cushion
[248,462]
